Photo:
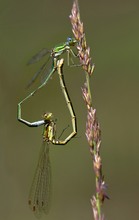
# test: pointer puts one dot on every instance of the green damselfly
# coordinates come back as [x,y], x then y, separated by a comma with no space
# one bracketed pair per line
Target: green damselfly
[54,55]
[39,197]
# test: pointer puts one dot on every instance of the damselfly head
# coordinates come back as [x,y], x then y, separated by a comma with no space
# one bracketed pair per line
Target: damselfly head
[47,116]
[71,41]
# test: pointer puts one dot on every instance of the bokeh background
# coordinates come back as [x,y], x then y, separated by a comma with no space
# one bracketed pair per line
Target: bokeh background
[112,31]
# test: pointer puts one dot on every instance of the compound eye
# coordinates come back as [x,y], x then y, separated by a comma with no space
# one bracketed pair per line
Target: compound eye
[69,39]
[47,116]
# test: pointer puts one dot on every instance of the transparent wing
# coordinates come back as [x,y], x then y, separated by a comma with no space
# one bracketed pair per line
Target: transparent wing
[36,75]
[37,57]
[46,73]
[40,193]
[41,70]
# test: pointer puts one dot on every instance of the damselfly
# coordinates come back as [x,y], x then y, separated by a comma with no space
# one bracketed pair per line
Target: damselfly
[54,54]
[39,197]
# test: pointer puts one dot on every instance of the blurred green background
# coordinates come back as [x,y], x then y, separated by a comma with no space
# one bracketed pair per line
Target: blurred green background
[112,31]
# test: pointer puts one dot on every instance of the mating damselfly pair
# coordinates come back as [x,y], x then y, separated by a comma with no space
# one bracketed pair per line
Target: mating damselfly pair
[39,197]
